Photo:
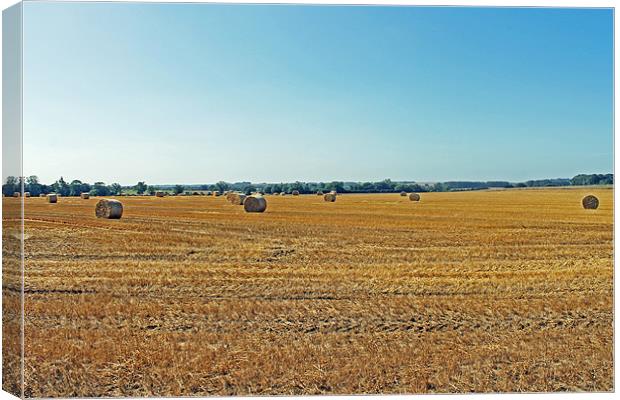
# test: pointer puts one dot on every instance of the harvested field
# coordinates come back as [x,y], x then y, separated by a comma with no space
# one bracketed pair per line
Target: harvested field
[481,291]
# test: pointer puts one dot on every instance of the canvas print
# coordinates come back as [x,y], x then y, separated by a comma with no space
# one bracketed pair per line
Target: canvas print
[232,199]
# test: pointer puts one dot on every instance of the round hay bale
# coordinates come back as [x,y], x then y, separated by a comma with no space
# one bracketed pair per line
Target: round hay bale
[108,208]
[330,197]
[42,195]
[208,193]
[216,193]
[333,192]
[26,194]
[319,193]
[275,194]
[295,192]
[237,199]
[255,204]
[16,194]
[414,197]
[590,202]
[159,194]
[52,198]
[403,194]
[85,196]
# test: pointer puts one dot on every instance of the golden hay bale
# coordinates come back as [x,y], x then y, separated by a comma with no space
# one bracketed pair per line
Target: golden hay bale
[403,194]
[52,198]
[237,198]
[319,193]
[295,192]
[108,208]
[42,195]
[26,194]
[275,194]
[255,204]
[16,194]
[216,193]
[159,194]
[331,197]
[85,196]
[590,202]
[282,193]
[333,192]
[209,193]
[414,197]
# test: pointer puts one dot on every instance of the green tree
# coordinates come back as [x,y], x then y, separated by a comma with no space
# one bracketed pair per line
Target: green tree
[116,189]
[100,189]
[385,185]
[222,186]
[45,189]
[11,186]
[248,189]
[76,187]
[33,186]
[141,187]
[299,186]
[438,187]
[178,189]
[151,190]
[61,187]
[337,186]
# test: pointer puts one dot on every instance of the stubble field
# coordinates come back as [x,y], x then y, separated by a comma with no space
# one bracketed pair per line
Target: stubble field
[477,291]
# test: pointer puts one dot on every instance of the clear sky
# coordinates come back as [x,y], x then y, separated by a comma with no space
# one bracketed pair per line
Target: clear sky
[196,93]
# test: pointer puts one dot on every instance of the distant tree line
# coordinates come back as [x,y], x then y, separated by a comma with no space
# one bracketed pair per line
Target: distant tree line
[76,187]
[593,179]
[61,186]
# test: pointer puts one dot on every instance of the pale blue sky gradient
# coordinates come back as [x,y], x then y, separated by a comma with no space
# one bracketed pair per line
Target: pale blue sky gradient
[196,93]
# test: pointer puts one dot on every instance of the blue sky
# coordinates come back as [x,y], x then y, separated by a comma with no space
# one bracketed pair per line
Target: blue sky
[193,93]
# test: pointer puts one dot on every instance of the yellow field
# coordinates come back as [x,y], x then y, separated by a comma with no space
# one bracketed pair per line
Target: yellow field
[475,291]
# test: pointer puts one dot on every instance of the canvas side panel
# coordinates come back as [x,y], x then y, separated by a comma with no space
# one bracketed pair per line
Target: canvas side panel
[12,202]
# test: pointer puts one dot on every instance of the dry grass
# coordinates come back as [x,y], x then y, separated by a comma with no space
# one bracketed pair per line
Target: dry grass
[480,291]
